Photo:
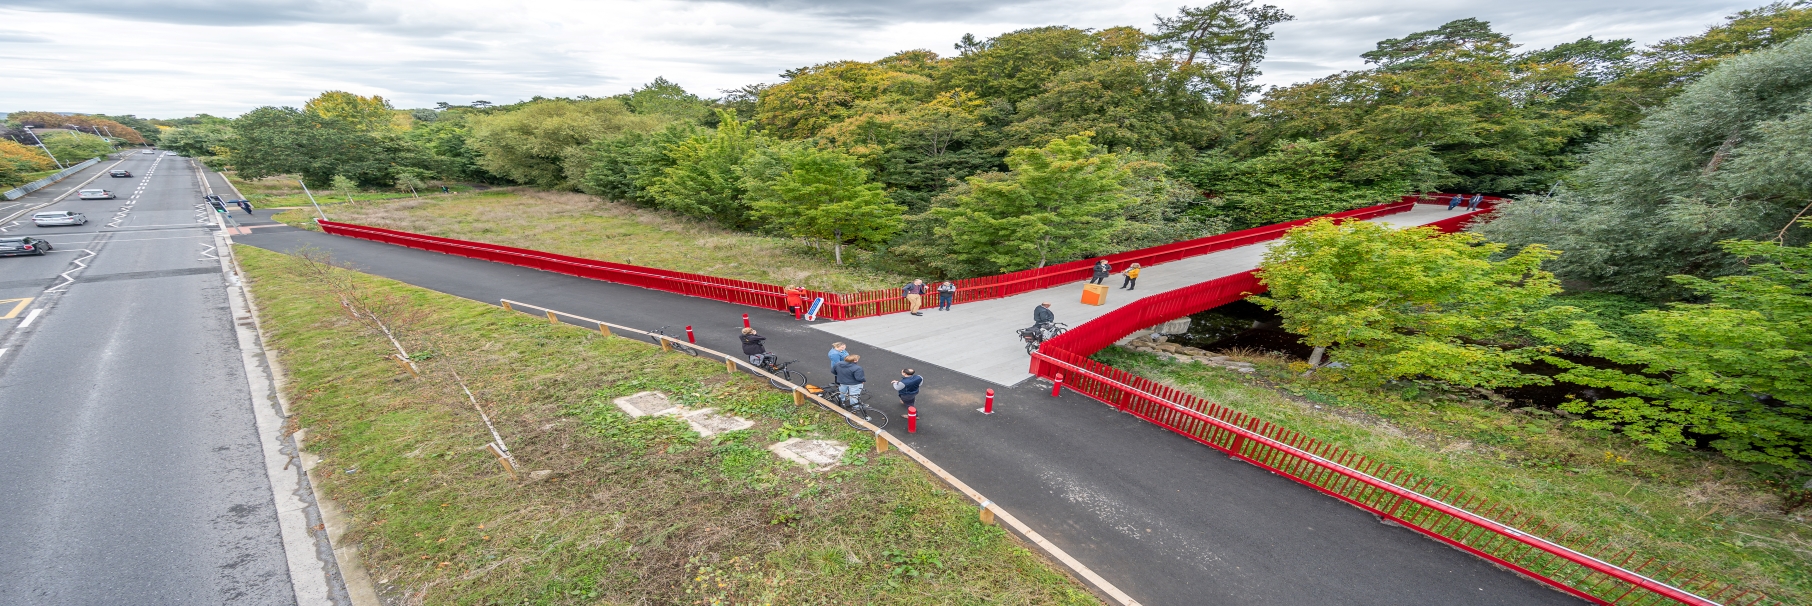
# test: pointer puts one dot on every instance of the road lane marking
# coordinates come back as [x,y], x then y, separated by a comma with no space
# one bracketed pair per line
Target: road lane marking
[21,303]
[31,317]
[65,275]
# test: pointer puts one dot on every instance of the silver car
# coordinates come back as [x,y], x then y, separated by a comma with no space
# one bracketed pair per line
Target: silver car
[59,217]
[95,194]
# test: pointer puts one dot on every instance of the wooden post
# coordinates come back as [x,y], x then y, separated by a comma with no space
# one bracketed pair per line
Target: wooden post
[502,459]
[987,515]
[506,305]
[730,365]
[664,345]
[799,396]
[880,442]
[552,318]
[604,329]
[403,362]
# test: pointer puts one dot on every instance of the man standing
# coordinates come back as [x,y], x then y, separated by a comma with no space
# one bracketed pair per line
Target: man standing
[946,295]
[1102,269]
[908,386]
[849,376]
[837,353]
[1474,205]
[915,296]
[1456,201]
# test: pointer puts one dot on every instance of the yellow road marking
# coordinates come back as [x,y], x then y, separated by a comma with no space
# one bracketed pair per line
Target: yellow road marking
[18,307]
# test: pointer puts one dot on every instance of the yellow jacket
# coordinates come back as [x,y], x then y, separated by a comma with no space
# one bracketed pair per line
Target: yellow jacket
[1133,273]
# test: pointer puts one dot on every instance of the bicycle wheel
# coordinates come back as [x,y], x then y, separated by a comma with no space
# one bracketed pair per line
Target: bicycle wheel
[1058,331]
[1031,346]
[868,413]
[680,346]
[787,375]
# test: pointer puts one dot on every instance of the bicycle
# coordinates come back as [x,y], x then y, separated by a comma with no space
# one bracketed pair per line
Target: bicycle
[853,404]
[1038,333]
[674,342]
[788,377]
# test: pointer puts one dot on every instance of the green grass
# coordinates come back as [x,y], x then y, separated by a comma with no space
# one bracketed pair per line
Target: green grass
[286,192]
[585,226]
[1687,509]
[641,511]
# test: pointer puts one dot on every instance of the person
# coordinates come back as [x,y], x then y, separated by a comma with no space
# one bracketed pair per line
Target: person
[444,190]
[1455,202]
[946,295]
[908,386]
[849,376]
[837,353]
[245,205]
[752,347]
[1043,314]
[1132,276]
[1102,269]
[795,300]
[1474,204]
[915,296]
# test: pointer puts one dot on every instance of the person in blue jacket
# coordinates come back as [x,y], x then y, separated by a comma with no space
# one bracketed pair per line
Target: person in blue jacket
[850,377]
[838,351]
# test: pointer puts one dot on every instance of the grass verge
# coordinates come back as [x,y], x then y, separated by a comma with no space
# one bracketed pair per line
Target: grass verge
[586,226]
[1687,509]
[638,510]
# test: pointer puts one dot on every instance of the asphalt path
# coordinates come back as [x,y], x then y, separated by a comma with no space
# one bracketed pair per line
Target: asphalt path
[1164,519]
[130,466]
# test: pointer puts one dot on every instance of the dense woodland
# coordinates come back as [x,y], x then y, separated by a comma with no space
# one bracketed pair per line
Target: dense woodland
[1675,173]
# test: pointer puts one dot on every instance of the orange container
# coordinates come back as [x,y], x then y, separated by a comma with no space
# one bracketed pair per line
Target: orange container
[1094,294]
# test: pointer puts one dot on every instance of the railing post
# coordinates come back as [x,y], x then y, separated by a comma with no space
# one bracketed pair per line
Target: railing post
[604,329]
[729,365]
[506,305]
[799,396]
[551,318]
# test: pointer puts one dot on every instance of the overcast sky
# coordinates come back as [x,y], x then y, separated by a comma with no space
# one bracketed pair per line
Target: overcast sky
[171,58]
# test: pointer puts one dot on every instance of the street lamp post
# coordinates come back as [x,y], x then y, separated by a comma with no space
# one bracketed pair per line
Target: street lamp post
[53,157]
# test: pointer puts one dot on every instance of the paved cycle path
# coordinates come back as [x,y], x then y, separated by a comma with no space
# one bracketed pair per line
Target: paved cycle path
[1166,520]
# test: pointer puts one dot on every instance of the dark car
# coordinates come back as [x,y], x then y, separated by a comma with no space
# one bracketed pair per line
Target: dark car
[25,245]
[120,172]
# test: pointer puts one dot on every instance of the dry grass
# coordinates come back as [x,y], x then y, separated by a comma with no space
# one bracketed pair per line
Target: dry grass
[640,511]
[1687,509]
[586,226]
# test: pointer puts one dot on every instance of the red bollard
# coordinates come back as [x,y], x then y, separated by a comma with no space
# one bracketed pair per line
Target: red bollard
[692,339]
[745,320]
[912,419]
[1056,385]
[799,312]
[988,408]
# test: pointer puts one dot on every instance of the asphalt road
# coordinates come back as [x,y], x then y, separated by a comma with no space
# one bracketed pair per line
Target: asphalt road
[130,466]
[1166,520]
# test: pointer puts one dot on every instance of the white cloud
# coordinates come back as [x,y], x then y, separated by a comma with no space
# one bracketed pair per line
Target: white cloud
[177,57]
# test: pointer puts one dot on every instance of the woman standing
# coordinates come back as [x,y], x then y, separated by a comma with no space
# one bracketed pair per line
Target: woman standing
[1102,269]
[1132,277]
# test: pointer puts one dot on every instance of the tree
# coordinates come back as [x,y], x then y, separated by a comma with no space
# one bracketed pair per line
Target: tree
[705,180]
[364,114]
[1736,369]
[73,147]
[1298,179]
[1055,203]
[664,98]
[285,141]
[1664,70]
[1722,160]
[1015,65]
[198,140]
[1230,36]
[822,194]
[345,186]
[625,166]
[543,143]
[1402,303]
[411,181]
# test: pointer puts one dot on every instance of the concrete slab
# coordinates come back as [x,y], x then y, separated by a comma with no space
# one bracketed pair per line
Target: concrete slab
[707,422]
[647,404]
[815,455]
[978,339]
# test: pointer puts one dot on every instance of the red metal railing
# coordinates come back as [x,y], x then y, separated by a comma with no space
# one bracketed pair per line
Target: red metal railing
[1466,522]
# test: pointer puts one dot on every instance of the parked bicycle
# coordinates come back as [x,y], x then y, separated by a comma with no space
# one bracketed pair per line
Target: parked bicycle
[853,404]
[677,343]
[788,377]
[1037,334]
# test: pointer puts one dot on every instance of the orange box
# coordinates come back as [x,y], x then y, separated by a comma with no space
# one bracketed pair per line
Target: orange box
[1094,294]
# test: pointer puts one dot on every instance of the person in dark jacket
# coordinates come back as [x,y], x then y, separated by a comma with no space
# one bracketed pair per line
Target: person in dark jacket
[1043,314]
[908,386]
[752,347]
[946,295]
[1474,204]
[1456,201]
[850,377]
[1102,269]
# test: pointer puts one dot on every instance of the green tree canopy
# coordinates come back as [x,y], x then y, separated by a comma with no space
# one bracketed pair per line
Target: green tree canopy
[705,179]
[822,194]
[1396,303]
[1055,203]
[544,142]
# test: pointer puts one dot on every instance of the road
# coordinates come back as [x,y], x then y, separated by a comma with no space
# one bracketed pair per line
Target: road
[134,471]
[1164,519]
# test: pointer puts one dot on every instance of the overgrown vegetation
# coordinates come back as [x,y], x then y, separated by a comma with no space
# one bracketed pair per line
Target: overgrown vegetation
[634,511]
[1685,508]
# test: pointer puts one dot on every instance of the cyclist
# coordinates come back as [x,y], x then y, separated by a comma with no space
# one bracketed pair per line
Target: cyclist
[850,378]
[752,347]
[1042,315]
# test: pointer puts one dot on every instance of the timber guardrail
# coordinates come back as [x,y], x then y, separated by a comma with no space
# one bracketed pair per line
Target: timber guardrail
[1465,522]
[987,509]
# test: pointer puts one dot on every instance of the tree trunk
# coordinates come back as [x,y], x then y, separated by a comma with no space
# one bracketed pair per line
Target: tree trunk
[1315,360]
[838,245]
[1042,250]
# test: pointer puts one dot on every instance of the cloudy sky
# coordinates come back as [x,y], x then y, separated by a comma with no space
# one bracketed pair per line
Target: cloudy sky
[170,58]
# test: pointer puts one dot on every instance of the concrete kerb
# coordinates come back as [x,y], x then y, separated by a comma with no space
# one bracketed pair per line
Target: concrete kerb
[986,508]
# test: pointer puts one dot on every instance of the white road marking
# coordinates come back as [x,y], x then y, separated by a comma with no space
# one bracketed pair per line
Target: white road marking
[31,317]
[3,351]
[67,280]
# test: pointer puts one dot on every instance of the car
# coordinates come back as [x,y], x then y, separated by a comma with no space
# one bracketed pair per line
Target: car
[119,172]
[96,194]
[148,151]
[26,245]
[169,153]
[58,217]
